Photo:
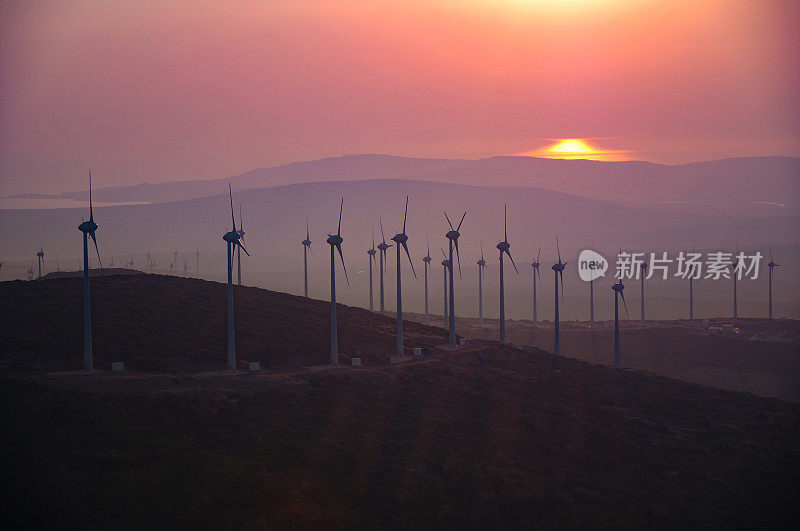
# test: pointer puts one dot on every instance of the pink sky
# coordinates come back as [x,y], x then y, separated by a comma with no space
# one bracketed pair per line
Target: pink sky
[155,91]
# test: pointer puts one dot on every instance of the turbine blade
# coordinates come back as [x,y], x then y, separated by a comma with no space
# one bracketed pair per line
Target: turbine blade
[94,239]
[339,230]
[405,216]
[462,221]
[559,249]
[242,247]
[539,254]
[241,221]
[428,241]
[561,275]
[512,261]
[341,256]
[443,254]
[308,237]
[405,246]
[383,237]
[482,250]
[624,304]
[91,210]
[233,219]
[448,220]
[770,254]
[373,238]
[505,223]
[458,257]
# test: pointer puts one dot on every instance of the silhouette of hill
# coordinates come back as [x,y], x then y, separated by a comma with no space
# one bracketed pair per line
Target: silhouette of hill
[493,437]
[747,186]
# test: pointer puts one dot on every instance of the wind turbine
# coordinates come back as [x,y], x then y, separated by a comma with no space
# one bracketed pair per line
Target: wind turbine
[306,249]
[40,256]
[371,253]
[771,265]
[149,261]
[452,237]
[643,271]
[427,264]
[185,267]
[536,273]
[446,264]
[558,271]
[58,266]
[335,241]
[238,252]
[112,260]
[383,262]
[175,262]
[691,293]
[401,239]
[618,287]
[88,229]
[504,247]
[31,272]
[197,262]
[735,291]
[481,266]
[232,238]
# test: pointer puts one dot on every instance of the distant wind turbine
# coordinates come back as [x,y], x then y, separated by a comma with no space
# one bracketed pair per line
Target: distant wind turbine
[643,271]
[401,239]
[771,265]
[88,228]
[558,271]
[371,254]
[427,265]
[197,263]
[382,265]
[40,256]
[233,240]
[618,287]
[306,249]
[691,293]
[504,247]
[737,265]
[536,273]
[452,237]
[481,266]
[335,241]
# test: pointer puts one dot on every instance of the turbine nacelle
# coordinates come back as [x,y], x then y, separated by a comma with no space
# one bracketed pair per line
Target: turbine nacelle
[334,239]
[447,263]
[504,246]
[400,238]
[559,266]
[481,262]
[618,287]
[306,242]
[427,259]
[383,246]
[372,252]
[88,227]
[453,235]
[231,237]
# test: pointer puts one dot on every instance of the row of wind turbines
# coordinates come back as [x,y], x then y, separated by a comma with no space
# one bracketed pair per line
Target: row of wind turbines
[235,245]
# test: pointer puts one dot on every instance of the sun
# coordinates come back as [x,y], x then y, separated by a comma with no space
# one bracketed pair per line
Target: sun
[575,148]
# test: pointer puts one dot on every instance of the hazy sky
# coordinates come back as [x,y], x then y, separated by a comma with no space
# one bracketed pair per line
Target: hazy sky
[162,90]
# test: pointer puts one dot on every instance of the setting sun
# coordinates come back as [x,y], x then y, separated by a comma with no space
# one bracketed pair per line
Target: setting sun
[575,148]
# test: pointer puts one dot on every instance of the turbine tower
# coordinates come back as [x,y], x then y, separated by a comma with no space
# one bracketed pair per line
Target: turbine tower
[401,239]
[384,261]
[371,253]
[335,241]
[175,262]
[88,228]
[736,269]
[196,264]
[112,260]
[503,247]
[643,271]
[233,239]
[618,287]
[481,266]
[306,249]
[536,273]
[558,272]
[427,261]
[445,264]
[771,265]
[40,256]
[452,237]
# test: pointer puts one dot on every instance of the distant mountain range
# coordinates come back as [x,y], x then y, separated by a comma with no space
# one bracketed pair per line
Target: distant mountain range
[753,186]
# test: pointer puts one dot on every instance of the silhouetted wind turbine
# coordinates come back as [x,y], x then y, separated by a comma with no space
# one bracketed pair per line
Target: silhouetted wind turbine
[401,239]
[427,264]
[112,260]
[691,293]
[335,241]
[452,237]
[446,264]
[382,264]
[149,261]
[88,229]
[481,266]
[197,262]
[233,239]
[371,253]
[306,249]
[185,267]
[40,256]
[175,262]
[771,265]
[536,273]
[558,271]
[643,271]
[618,287]
[504,247]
